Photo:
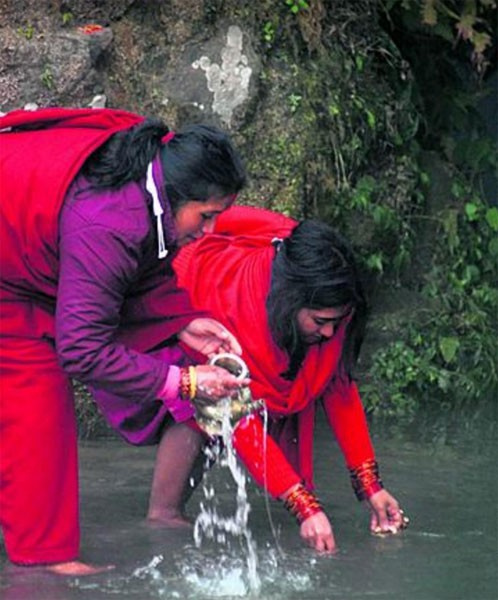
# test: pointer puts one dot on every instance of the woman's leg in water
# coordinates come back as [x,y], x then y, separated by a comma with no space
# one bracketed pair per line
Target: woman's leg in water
[38,459]
[178,470]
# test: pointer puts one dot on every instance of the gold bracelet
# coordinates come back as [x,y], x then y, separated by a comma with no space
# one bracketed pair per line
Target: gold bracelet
[193,382]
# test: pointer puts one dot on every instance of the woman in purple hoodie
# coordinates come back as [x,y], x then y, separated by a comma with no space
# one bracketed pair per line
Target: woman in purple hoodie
[94,204]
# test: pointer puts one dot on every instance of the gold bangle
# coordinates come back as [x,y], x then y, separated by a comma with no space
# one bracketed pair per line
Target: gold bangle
[193,382]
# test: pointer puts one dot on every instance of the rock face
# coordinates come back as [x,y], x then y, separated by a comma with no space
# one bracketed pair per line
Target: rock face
[53,68]
[287,85]
[137,60]
[209,79]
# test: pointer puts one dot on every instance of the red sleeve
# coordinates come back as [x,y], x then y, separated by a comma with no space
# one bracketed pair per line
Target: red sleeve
[269,469]
[347,419]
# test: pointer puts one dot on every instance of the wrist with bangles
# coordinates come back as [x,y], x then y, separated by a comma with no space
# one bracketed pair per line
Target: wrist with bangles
[188,383]
[302,503]
[365,479]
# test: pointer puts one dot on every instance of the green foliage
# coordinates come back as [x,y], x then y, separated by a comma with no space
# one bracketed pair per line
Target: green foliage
[491,217]
[453,21]
[379,100]
[67,18]
[47,77]
[445,87]
[26,32]
[378,197]
[399,379]
[296,5]
[294,102]
[268,32]
[448,357]
[379,212]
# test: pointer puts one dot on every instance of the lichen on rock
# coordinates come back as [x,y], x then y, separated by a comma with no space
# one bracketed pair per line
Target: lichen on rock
[229,82]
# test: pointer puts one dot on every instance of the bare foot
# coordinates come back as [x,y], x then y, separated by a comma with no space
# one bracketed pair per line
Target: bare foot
[77,568]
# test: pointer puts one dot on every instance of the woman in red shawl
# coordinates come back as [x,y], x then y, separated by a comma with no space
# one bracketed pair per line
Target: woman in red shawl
[292,295]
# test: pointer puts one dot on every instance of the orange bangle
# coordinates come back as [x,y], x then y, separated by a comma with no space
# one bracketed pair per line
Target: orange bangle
[365,479]
[302,503]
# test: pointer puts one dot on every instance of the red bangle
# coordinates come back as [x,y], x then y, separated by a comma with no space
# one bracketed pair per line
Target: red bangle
[302,503]
[185,383]
[365,479]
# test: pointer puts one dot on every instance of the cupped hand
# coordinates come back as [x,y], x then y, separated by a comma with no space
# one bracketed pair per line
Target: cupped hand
[209,337]
[317,532]
[386,514]
[216,383]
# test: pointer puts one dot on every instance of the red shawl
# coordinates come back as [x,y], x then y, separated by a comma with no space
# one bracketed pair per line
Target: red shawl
[40,154]
[228,273]
[57,141]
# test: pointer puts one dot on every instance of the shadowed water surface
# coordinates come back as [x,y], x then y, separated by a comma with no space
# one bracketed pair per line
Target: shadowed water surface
[443,471]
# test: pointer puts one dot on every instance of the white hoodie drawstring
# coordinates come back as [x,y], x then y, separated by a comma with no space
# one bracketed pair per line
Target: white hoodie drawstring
[150,186]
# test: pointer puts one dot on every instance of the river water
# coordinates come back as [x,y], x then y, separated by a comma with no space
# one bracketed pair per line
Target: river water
[443,469]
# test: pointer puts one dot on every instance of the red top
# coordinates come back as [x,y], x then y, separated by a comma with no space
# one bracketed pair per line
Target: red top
[228,273]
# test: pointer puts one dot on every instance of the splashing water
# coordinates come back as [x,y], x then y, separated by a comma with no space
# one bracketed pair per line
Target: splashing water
[236,576]
[207,575]
[211,524]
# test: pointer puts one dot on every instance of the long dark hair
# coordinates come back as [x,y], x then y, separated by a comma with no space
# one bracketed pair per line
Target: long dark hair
[199,163]
[315,268]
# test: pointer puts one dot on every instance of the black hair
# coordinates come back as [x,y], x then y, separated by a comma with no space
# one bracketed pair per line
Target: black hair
[315,268]
[199,163]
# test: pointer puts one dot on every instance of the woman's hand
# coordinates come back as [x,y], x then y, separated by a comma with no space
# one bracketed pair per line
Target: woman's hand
[386,515]
[317,532]
[215,383]
[209,337]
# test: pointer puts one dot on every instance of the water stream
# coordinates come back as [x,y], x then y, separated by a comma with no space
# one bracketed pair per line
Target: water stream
[211,524]
[443,469]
